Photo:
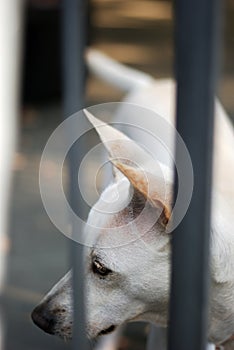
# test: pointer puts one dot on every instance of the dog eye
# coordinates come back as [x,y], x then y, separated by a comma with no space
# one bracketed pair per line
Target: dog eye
[99,268]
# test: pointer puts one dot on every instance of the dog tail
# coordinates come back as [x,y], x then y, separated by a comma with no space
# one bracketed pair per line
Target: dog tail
[115,73]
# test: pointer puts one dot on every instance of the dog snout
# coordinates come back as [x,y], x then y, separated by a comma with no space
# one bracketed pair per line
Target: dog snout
[43,318]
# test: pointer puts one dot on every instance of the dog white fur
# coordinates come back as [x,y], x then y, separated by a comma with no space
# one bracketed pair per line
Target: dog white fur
[131,282]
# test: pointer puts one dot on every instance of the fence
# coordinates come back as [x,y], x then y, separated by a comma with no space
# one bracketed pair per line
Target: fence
[196,38]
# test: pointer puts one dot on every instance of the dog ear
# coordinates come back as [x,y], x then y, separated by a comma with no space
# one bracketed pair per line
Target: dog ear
[117,144]
[130,159]
[150,187]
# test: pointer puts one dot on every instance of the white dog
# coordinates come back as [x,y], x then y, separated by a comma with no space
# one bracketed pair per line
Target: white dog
[130,282]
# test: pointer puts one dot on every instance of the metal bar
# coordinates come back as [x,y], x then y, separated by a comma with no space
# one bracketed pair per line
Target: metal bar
[196,38]
[74,41]
[11,30]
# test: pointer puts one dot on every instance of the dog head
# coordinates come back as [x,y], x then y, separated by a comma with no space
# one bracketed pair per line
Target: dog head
[127,265]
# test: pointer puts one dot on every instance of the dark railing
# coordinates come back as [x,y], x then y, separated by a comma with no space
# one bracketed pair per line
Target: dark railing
[74,42]
[196,29]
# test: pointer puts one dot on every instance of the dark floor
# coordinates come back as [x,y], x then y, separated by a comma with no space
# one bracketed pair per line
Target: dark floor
[39,253]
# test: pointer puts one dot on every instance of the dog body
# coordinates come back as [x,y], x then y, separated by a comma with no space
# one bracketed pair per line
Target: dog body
[128,266]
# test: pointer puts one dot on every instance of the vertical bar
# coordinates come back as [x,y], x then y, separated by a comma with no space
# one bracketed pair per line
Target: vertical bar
[196,29]
[74,41]
[11,26]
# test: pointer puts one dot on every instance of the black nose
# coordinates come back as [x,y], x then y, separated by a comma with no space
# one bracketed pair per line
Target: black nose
[43,319]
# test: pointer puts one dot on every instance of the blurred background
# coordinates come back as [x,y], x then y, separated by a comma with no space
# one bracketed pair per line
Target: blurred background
[137,33]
